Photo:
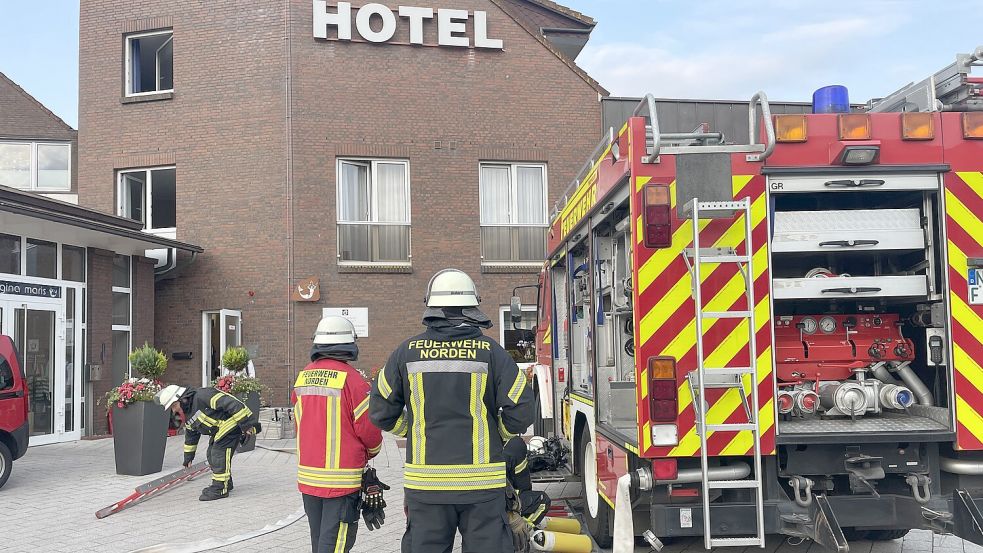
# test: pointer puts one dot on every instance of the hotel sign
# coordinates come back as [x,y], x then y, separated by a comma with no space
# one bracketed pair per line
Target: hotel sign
[29,289]
[451,24]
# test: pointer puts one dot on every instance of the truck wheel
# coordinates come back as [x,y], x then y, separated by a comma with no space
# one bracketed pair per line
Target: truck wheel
[6,463]
[600,516]
[887,535]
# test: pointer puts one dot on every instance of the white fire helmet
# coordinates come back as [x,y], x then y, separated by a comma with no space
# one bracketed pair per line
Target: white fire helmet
[537,444]
[168,395]
[452,288]
[334,330]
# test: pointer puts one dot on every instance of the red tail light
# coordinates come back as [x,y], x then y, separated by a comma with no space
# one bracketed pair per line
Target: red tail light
[657,216]
[663,396]
[665,469]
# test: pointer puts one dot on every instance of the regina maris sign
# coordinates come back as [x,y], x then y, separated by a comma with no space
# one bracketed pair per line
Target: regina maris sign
[451,24]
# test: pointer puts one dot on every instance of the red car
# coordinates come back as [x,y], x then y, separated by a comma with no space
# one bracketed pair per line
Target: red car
[13,409]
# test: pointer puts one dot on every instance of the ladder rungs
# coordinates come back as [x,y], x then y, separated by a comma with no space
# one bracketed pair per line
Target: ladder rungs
[725,314]
[728,370]
[731,427]
[724,259]
[734,484]
[735,542]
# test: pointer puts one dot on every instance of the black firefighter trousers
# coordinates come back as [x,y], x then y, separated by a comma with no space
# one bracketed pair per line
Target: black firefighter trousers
[333,522]
[430,528]
[219,457]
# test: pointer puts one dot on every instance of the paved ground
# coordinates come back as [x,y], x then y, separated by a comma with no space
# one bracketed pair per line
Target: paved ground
[49,505]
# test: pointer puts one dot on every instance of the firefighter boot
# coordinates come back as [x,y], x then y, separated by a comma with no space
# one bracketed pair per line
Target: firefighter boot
[216,491]
[230,484]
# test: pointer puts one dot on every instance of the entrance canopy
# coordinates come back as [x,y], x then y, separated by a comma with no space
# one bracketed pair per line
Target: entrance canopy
[29,214]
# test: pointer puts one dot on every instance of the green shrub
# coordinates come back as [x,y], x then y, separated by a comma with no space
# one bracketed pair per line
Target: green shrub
[149,362]
[235,360]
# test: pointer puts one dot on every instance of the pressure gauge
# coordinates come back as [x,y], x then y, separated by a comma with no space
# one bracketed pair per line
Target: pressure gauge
[827,324]
[809,325]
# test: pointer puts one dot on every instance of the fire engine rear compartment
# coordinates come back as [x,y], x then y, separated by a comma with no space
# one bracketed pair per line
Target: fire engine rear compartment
[859,320]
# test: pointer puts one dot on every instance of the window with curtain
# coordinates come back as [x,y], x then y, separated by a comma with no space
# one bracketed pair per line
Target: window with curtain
[373,211]
[149,63]
[513,212]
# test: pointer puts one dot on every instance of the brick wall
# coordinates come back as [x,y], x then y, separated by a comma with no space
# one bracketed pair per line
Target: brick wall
[143,301]
[226,130]
[99,333]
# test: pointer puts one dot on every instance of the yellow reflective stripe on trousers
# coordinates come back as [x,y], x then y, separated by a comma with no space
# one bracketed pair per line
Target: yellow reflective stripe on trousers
[361,409]
[517,387]
[479,419]
[188,448]
[385,390]
[419,430]
[332,445]
[342,541]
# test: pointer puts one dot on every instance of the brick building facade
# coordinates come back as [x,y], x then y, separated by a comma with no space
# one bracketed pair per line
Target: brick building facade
[274,136]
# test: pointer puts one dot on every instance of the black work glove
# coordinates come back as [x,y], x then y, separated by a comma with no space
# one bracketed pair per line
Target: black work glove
[373,501]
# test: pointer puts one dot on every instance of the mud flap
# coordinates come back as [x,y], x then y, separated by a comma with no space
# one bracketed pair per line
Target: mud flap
[966,517]
[826,530]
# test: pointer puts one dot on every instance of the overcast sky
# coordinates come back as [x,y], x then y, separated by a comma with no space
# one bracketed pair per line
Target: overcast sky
[724,49]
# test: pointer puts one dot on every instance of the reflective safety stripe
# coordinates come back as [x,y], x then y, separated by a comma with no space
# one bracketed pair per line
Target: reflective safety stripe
[342,541]
[522,466]
[504,432]
[224,476]
[332,451]
[479,419]
[204,419]
[401,426]
[190,448]
[329,478]
[227,425]
[454,477]
[539,511]
[517,387]
[361,409]
[316,391]
[417,401]
[446,366]
[376,449]
[385,390]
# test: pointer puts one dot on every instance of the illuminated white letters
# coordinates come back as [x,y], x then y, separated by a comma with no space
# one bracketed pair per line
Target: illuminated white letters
[451,24]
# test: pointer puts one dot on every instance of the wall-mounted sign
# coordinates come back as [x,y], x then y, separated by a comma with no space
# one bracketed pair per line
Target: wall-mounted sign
[451,24]
[29,289]
[359,316]
[308,289]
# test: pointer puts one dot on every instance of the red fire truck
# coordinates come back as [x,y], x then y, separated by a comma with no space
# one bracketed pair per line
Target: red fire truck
[780,337]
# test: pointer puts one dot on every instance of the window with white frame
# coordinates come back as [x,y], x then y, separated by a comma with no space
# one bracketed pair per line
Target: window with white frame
[513,212]
[149,196]
[519,342]
[373,211]
[122,315]
[44,166]
[149,63]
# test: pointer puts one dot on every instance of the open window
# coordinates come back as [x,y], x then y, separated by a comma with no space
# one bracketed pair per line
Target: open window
[150,63]
[149,196]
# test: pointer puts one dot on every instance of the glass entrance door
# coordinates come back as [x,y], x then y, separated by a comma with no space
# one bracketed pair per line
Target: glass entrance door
[220,331]
[40,341]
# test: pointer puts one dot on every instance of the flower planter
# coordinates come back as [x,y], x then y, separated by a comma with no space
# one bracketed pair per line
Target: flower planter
[251,399]
[139,438]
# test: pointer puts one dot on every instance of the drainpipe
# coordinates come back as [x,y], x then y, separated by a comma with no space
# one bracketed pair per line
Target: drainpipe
[289,185]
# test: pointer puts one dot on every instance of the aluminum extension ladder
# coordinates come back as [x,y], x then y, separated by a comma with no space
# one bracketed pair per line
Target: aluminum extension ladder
[706,378]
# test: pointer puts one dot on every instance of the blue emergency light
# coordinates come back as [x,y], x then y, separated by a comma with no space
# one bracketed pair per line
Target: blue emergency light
[831,99]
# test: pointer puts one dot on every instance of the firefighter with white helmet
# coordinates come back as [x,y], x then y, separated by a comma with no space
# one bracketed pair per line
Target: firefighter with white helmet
[452,391]
[224,418]
[335,440]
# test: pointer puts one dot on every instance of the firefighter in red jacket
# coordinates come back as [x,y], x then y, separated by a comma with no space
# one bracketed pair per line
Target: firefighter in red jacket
[335,440]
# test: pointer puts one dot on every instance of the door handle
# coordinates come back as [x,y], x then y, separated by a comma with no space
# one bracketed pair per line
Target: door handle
[851,290]
[850,183]
[849,243]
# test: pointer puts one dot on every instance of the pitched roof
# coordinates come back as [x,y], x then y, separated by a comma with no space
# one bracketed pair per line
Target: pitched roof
[25,100]
[564,11]
[537,34]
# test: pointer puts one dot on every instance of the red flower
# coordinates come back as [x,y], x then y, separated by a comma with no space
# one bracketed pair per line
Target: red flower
[120,404]
[139,387]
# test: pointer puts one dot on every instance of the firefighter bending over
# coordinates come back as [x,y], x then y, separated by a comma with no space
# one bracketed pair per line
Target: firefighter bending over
[224,418]
[335,440]
[453,381]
